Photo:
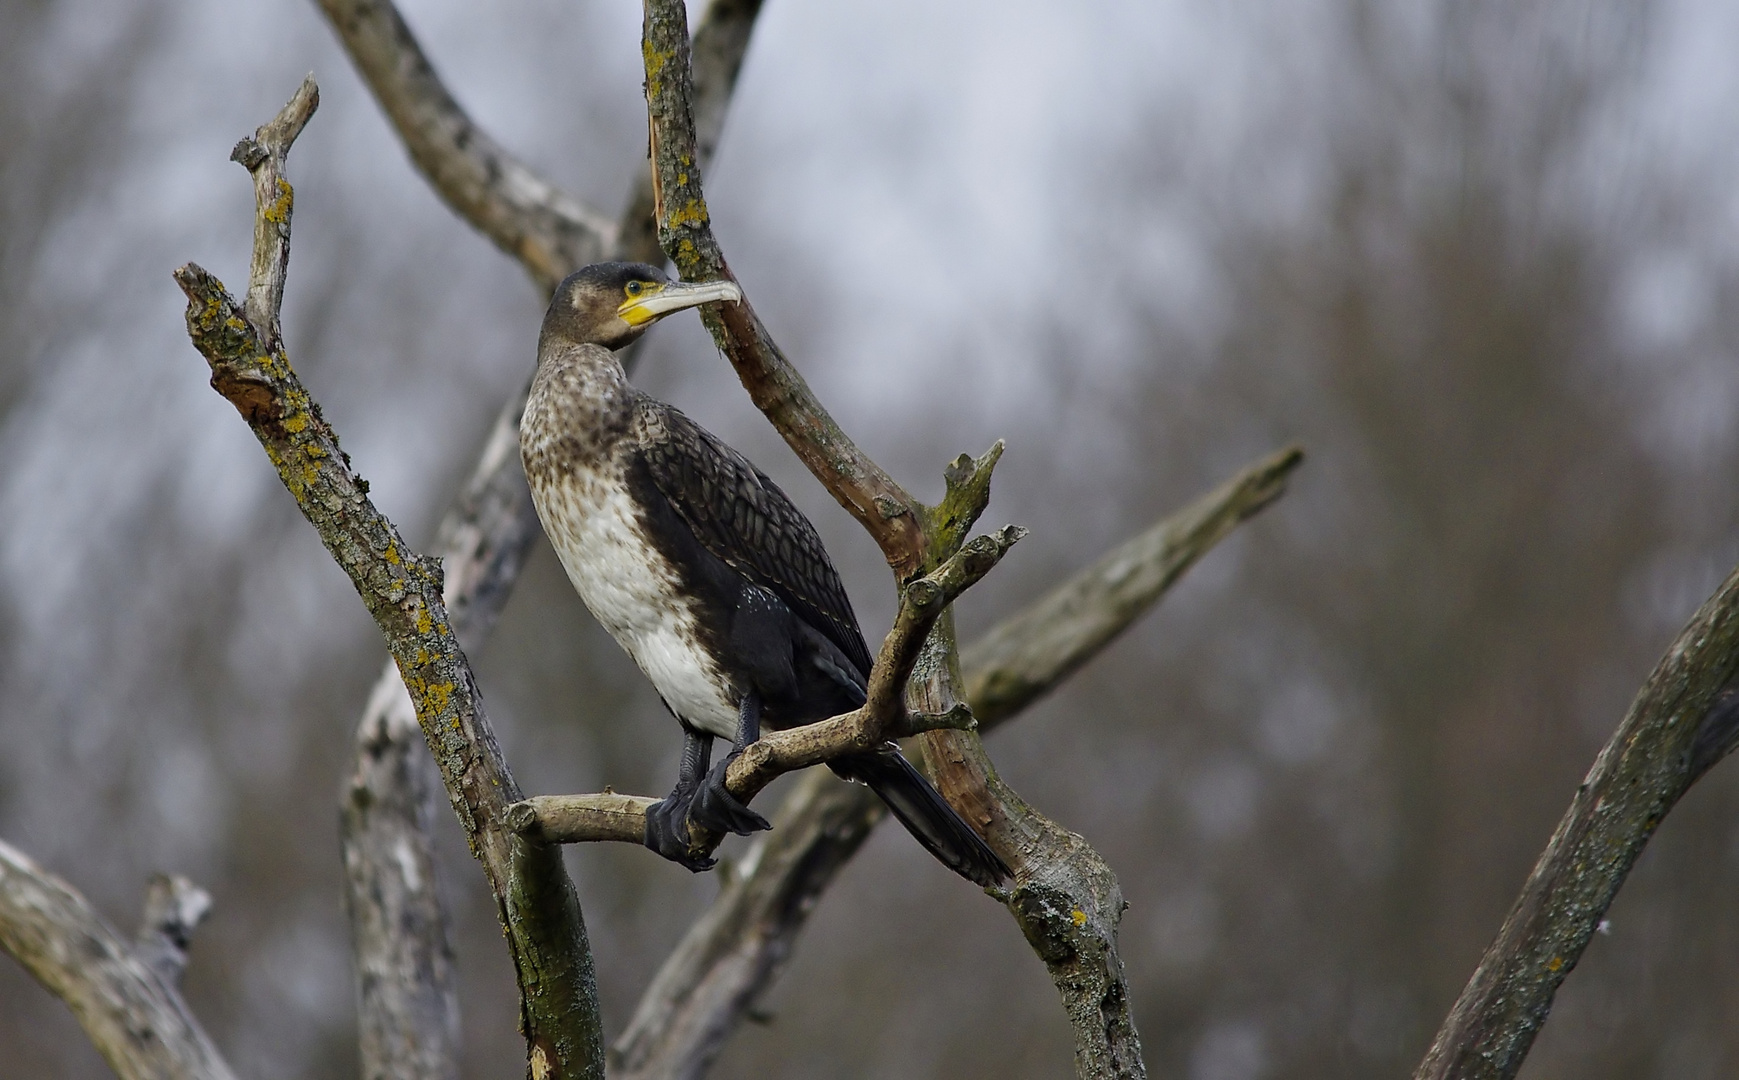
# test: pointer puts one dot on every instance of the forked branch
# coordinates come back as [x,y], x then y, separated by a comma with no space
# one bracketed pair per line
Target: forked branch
[131,1010]
[402,590]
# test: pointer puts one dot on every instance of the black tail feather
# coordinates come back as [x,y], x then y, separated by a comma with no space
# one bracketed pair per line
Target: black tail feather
[925,814]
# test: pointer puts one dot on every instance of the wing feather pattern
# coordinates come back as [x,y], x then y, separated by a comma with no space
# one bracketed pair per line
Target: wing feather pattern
[745,521]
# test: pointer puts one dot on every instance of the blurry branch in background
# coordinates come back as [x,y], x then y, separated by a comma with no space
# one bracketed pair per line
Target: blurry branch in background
[1025,656]
[174,908]
[732,954]
[408,1010]
[1684,720]
[1064,897]
[535,900]
[124,996]
[549,231]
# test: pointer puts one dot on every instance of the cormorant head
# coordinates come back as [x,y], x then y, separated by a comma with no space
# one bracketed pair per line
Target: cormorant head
[611,304]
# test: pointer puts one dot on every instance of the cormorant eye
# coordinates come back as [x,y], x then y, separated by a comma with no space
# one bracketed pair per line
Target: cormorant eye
[634,288]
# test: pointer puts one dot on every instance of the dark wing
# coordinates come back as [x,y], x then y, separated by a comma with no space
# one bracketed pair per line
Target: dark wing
[746,522]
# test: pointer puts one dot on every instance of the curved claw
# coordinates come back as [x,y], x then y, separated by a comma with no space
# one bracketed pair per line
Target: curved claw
[716,808]
[667,833]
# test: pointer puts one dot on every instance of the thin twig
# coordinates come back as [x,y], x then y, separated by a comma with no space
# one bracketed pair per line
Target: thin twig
[133,1016]
[402,590]
[1684,720]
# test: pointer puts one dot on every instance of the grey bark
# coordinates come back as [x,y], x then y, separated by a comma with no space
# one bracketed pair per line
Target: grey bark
[550,232]
[407,1004]
[1684,720]
[131,1012]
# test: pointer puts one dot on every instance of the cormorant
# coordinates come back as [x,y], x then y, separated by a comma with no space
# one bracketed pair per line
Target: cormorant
[701,568]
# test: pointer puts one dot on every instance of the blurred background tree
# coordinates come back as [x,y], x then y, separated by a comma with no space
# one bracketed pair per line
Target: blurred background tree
[1480,258]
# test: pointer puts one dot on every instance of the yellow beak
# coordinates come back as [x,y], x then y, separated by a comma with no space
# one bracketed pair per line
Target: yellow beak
[674,296]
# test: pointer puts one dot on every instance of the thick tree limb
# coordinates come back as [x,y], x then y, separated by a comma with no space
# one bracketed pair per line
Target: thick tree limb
[408,1010]
[132,1014]
[402,590]
[407,1002]
[1064,897]
[1684,720]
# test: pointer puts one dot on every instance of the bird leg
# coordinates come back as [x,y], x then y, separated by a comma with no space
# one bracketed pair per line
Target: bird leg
[714,805]
[667,819]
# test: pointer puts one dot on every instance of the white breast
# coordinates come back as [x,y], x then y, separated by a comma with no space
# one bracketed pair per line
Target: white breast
[633,592]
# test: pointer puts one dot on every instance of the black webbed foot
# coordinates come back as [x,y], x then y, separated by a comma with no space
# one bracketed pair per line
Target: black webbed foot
[667,819]
[667,831]
[715,807]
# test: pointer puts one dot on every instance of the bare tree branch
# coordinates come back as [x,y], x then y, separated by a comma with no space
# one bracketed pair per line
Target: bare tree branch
[574,819]
[407,1002]
[550,232]
[174,908]
[732,954]
[685,233]
[132,1014]
[1684,720]
[720,42]
[408,1009]
[1027,655]
[1065,898]
[402,590]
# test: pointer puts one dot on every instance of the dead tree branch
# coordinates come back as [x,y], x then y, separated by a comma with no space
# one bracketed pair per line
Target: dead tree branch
[407,1013]
[535,900]
[408,1009]
[1027,655]
[1065,898]
[550,232]
[130,1009]
[1684,720]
